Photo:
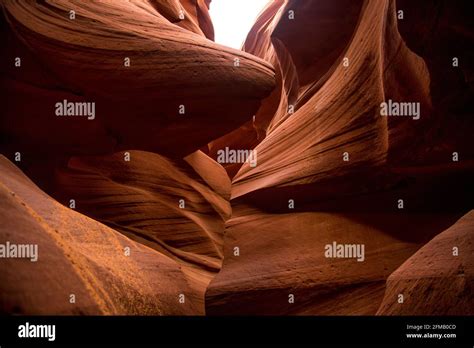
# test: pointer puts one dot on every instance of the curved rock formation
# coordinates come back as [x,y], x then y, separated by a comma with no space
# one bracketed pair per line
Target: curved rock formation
[315,151]
[156,86]
[357,115]
[106,272]
[438,278]
[336,170]
[175,207]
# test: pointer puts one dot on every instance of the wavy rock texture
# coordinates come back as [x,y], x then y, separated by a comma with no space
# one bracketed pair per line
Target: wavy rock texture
[80,256]
[355,90]
[437,279]
[303,195]
[80,56]
[192,15]
[138,107]
[175,207]
[305,96]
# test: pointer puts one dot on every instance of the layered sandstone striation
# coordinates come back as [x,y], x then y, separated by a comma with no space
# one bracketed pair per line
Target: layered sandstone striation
[81,257]
[157,83]
[175,207]
[157,86]
[305,95]
[331,168]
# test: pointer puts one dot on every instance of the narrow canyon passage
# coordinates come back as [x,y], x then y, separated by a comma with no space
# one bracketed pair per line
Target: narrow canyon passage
[325,168]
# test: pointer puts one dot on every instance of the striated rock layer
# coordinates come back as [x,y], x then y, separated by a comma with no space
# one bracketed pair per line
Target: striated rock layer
[305,95]
[175,207]
[332,169]
[81,257]
[156,86]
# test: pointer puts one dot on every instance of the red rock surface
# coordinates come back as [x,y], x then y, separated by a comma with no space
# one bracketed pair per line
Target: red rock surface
[80,256]
[83,59]
[337,110]
[438,278]
[137,106]
[175,207]
[305,97]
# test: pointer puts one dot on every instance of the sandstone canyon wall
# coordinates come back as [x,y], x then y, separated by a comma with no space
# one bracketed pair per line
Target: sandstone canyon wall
[134,211]
[331,169]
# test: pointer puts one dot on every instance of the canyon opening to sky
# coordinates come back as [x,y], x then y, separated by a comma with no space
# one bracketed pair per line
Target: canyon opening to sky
[233,19]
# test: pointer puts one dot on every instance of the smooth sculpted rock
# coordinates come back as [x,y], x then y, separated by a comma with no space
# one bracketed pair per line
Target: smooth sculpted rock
[81,266]
[280,36]
[156,86]
[338,129]
[438,279]
[356,115]
[177,207]
[356,164]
